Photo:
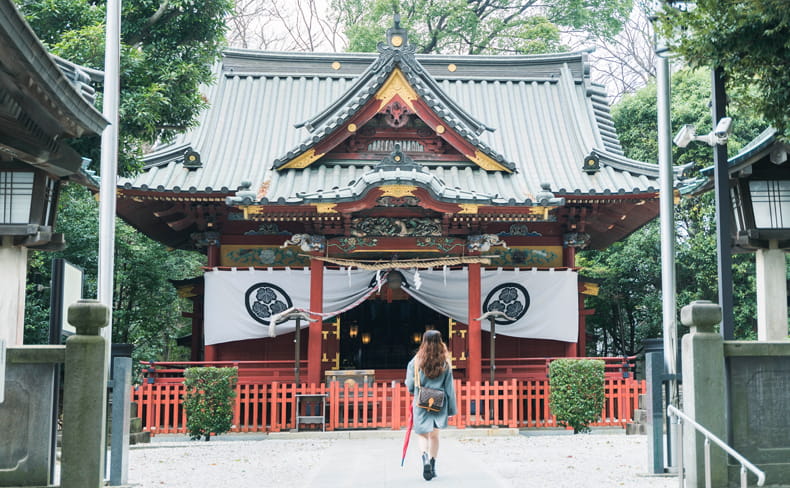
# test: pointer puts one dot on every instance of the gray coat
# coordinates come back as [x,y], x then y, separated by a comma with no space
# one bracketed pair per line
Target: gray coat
[425,421]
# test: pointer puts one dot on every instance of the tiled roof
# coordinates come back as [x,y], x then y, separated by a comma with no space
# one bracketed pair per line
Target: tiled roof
[546,114]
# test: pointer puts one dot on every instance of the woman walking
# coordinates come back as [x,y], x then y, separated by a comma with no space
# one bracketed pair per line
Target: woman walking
[430,368]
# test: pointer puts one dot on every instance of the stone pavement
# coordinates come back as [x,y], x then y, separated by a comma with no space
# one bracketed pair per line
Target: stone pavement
[375,461]
[533,458]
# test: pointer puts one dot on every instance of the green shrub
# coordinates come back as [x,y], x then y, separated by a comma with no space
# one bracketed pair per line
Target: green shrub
[577,392]
[208,400]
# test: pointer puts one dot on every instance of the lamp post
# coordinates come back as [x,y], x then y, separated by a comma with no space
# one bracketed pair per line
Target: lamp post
[492,316]
[761,205]
[723,208]
[28,200]
[293,314]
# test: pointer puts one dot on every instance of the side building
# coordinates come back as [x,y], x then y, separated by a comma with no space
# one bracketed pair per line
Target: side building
[44,102]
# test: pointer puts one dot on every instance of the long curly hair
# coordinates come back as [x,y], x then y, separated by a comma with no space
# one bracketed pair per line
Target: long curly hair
[431,357]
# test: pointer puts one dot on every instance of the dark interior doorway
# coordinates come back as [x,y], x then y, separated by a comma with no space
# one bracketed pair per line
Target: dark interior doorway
[381,334]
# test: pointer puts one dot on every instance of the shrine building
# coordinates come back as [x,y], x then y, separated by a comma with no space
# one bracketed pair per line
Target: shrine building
[390,193]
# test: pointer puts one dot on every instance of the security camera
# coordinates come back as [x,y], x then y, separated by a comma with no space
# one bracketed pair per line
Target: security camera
[686,134]
[722,129]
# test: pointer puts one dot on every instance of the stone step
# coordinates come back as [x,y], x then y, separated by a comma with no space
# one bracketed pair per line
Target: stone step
[139,438]
[135,425]
[635,429]
[640,416]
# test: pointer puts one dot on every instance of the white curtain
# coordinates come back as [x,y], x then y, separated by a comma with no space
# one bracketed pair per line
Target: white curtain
[544,303]
[239,303]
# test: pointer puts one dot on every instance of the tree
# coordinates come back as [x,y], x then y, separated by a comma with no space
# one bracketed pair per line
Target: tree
[748,39]
[167,51]
[285,25]
[146,308]
[626,62]
[628,308]
[635,117]
[479,26]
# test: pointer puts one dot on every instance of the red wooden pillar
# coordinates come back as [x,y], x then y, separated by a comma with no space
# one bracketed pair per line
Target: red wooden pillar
[210,353]
[213,254]
[314,337]
[474,370]
[569,261]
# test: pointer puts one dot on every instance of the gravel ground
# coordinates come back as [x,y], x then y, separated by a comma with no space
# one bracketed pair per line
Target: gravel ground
[532,459]
[560,461]
[241,464]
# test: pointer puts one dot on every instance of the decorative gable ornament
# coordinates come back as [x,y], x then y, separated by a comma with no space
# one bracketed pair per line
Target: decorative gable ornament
[394,100]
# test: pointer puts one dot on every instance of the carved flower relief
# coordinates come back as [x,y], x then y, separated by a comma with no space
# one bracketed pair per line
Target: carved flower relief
[267,256]
[396,114]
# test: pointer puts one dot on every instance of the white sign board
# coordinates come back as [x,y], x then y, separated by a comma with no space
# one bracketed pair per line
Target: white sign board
[72,292]
[2,370]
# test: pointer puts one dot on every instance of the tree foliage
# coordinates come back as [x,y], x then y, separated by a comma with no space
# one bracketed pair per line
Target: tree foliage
[748,39]
[628,308]
[146,308]
[479,26]
[167,51]
[635,117]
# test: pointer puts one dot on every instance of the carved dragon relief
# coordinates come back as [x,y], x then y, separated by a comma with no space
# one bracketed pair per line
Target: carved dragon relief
[395,227]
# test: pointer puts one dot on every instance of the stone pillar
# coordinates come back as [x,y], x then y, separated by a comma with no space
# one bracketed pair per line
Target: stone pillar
[84,398]
[13,262]
[771,295]
[121,406]
[654,374]
[703,392]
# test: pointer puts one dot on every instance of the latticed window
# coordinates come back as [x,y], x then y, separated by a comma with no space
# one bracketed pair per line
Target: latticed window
[16,196]
[771,203]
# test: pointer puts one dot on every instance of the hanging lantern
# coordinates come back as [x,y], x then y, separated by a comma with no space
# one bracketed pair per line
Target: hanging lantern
[353,331]
[394,280]
[416,338]
[366,338]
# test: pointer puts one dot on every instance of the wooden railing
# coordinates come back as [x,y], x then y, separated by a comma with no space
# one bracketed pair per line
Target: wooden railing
[270,407]
[249,371]
[283,371]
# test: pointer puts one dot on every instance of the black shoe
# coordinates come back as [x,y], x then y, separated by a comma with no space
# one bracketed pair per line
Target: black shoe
[427,470]
[433,467]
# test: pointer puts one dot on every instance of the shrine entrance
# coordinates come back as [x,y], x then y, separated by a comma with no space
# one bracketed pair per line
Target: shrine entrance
[385,331]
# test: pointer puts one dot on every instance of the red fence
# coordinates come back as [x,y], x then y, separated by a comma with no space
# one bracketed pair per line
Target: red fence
[283,370]
[271,407]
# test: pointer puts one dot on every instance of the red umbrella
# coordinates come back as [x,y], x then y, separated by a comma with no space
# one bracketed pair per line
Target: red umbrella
[408,434]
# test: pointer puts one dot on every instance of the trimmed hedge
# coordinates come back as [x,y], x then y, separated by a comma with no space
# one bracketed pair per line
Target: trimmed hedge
[208,400]
[577,392]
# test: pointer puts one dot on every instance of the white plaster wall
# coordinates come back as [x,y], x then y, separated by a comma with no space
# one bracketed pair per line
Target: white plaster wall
[13,276]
